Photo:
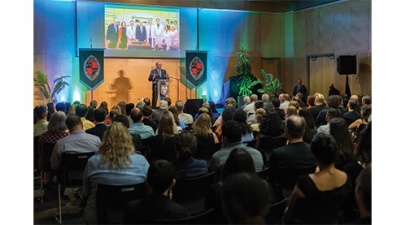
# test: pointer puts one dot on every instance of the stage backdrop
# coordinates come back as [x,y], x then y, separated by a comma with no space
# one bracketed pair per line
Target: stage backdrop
[91,63]
[196,66]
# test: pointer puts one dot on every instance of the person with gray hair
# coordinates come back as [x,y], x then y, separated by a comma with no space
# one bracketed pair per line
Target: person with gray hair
[56,130]
[185,117]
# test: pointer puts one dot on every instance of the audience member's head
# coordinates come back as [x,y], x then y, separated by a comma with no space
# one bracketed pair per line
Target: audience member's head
[93,104]
[81,110]
[136,115]
[146,101]
[239,160]
[295,127]
[40,112]
[160,177]
[366,100]
[130,106]
[180,106]
[122,119]
[227,114]
[232,131]
[230,102]
[57,122]
[324,148]
[272,124]
[50,110]
[116,147]
[100,114]
[246,199]
[122,106]
[60,106]
[147,111]
[168,99]
[202,125]
[166,125]
[185,144]
[74,122]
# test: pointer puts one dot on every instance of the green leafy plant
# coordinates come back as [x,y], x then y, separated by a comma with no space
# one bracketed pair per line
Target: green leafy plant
[41,81]
[270,85]
[243,70]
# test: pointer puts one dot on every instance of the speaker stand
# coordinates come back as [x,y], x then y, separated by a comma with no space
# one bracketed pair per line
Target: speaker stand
[347,90]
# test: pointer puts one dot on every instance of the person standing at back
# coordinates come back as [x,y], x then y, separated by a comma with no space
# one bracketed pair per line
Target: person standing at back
[300,88]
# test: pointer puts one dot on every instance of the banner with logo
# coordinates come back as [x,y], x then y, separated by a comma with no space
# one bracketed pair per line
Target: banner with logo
[196,67]
[91,63]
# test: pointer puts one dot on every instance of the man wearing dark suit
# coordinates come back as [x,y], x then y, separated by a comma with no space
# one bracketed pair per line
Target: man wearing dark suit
[155,75]
[112,34]
[157,205]
[100,115]
[141,32]
[287,163]
[300,88]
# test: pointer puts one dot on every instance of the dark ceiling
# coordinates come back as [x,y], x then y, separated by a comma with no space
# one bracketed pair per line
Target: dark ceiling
[270,6]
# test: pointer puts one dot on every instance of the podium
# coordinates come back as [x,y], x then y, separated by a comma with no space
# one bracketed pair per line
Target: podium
[162,89]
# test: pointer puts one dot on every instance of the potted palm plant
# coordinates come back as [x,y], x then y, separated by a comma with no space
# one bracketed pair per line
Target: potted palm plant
[41,81]
[269,85]
[243,71]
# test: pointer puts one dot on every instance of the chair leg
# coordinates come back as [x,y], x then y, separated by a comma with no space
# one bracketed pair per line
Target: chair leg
[59,205]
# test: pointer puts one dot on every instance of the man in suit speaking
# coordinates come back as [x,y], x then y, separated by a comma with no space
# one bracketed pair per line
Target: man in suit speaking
[155,75]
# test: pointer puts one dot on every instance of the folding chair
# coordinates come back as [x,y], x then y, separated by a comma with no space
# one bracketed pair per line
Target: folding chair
[72,165]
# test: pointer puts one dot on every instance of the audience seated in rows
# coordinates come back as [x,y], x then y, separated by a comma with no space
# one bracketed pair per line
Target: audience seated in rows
[161,179]
[115,164]
[185,165]
[318,197]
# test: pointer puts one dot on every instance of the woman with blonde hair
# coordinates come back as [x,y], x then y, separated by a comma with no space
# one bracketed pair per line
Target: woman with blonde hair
[203,130]
[116,163]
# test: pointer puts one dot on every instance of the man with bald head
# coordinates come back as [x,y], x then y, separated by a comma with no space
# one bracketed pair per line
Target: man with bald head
[138,127]
[287,163]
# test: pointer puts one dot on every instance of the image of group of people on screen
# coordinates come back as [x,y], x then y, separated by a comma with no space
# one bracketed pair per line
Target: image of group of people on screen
[143,34]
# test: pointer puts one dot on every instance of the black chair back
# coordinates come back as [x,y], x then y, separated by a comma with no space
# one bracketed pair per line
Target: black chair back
[72,166]
[206,151]
[35,151]
[47,150]
[275,213]
[205,217]
[111,200]
[191,192]
[162,152]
